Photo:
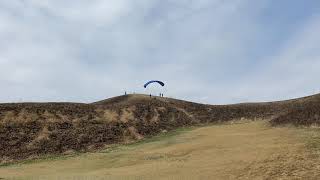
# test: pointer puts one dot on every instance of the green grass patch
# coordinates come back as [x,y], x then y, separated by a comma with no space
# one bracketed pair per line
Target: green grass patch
[313,139]
[167,138]
[40,159]
[162,137]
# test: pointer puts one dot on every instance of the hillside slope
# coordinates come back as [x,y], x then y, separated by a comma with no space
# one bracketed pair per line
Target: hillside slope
[243,150]
[28,130]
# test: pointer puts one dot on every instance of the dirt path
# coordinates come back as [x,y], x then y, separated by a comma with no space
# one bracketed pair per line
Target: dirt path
[239,151]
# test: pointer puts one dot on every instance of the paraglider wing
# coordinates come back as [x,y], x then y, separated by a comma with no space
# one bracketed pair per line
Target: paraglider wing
[150,82]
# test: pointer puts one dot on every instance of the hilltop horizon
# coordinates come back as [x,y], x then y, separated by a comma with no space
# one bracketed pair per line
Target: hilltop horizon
[157,96]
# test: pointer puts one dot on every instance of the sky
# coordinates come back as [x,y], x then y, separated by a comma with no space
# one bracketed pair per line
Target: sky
[207,51]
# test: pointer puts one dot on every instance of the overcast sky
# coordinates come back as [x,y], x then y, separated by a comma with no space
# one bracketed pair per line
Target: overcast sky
[209,51]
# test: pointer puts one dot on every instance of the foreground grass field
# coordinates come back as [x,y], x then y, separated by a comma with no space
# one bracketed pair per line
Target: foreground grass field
[247,150]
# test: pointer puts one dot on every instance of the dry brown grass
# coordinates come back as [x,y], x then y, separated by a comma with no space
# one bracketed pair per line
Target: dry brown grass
[127,115]
[8,117]
[110,116]
[22,117]
[247,150]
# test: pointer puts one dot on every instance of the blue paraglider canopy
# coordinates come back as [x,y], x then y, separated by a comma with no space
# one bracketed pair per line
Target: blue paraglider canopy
[153,81]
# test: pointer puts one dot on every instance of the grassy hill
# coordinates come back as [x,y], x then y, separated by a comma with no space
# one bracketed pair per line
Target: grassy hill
[29,130]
